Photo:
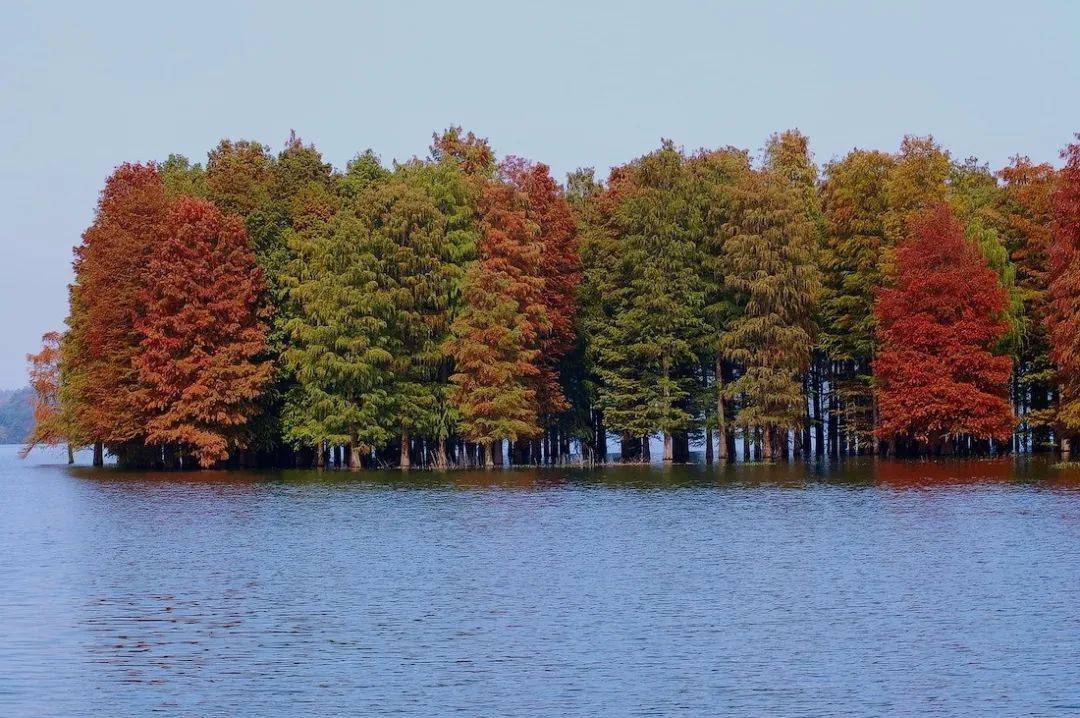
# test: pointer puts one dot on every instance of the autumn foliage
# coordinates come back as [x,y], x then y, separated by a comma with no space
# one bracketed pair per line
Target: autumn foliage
[265,308]
[1064,302]
[202,335]
[49,425]
[496,340]
[938,322]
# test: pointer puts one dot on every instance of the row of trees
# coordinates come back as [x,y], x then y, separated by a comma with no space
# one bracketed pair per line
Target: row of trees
[267,309]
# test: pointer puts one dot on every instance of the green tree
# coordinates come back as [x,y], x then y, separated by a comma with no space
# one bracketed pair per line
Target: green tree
[770,270]
[854,205]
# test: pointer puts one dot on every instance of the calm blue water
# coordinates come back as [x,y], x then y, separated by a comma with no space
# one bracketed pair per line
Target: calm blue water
[881,589]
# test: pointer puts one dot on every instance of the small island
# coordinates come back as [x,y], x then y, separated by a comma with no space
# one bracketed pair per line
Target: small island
[267,309]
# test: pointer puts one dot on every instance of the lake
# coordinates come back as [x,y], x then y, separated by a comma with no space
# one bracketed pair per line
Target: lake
[876,588]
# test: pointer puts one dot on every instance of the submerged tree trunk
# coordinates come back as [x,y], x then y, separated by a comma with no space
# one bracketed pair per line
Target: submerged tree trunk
[489,462]
[721,428]
[497,453]
[355,459]
[441,460]
[171,457]
[646,450]
[669,448]
[819,424]
[708,447]
[404,462]
[599,438]
[71,454]
[99,454]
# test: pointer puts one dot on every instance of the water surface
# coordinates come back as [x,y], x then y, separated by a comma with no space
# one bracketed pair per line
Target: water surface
[877,588]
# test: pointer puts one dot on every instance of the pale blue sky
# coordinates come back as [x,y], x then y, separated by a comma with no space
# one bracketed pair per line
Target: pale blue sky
[85,86]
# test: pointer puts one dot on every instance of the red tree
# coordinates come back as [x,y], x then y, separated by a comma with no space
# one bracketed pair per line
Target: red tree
[101,382]
[203,333]
[936,376]
[1063,311]
[560,266]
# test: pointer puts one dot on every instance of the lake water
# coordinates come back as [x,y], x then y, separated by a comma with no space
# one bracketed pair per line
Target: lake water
[948,589]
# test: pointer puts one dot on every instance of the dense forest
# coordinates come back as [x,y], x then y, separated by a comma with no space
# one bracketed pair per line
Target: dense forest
[268,309]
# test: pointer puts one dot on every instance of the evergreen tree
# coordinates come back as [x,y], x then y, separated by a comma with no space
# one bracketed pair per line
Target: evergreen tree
[854,207]
[770,270]
[647,352]
[715,174]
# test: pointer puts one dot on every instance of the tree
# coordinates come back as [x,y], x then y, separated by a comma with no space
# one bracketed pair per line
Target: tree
[1023,218]
[770,271]
[408,235]
[560,266]
[937,376]
[647,344]
[472,153]
[336,338]
[974,193]
[1063,309]
[50,424]
[202,334]
[496,338]
[854,206]
[715,176]
[101,386]
[917,181]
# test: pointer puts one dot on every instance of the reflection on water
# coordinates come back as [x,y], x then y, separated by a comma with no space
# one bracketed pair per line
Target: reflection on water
[868,588]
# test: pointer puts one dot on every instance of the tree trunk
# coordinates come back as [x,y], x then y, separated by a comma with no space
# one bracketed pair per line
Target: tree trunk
[669,448]
[99,454]
[519,452]
[337,456]
[767,440]
[646,450]
[708,447]
[819,425]
[71,454]
[746,444]
[355,459]
[721,428]
[171,457]
[320,456]
[599,438]
[497,455]
[489,462]
[404,462]
[441,460]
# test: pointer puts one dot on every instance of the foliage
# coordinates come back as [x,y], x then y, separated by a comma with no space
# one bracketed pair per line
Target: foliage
[938,323]
[202,333]
[1063,308]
